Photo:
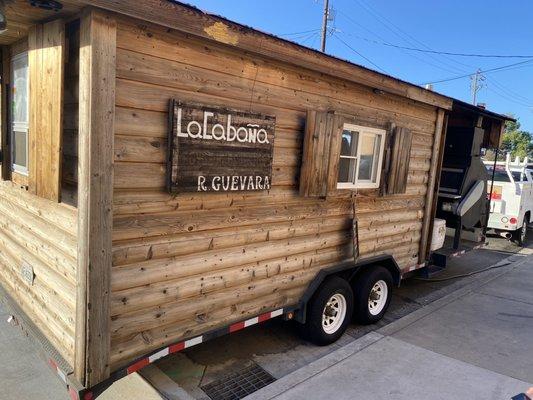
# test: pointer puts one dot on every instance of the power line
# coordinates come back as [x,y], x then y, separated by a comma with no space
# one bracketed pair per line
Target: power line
[508,98]
[428,49]
[311,36]
[358,53]
[444,52]
[406,37]
[455,69]
[501,92]
[299,33]
[502,68]
[509,91]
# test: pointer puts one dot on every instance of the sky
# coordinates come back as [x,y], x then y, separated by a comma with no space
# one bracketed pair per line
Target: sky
[365,31]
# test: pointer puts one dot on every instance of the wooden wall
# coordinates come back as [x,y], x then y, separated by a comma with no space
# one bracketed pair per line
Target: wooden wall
[69,167]
[188,263]
[42,234]
[46,78]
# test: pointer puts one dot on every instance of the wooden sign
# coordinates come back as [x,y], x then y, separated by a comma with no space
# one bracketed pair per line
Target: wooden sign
[214,149]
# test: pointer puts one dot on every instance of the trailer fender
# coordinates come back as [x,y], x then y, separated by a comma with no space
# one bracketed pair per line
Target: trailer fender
[349,271]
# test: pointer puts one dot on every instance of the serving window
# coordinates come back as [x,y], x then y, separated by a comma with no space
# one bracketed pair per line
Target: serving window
[361,157]
[339,155]
[32,112]
[19,113]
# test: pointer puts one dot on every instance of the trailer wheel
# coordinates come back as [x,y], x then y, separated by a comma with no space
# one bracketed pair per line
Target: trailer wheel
[520,235]
[372,293]
[328,312]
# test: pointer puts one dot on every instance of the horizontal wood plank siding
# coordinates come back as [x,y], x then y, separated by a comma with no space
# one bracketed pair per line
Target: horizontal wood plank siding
[187,263]
[40,233]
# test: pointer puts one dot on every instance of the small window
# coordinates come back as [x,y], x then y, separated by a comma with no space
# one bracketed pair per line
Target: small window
[19,113]
[361,157]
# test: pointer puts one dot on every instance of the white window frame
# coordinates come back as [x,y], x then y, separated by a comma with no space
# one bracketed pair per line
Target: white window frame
[359,183]
[20,127]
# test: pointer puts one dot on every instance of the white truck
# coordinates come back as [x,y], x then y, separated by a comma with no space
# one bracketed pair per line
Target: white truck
[511,198]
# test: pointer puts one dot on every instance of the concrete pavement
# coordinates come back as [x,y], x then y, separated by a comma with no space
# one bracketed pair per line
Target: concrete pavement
[24,375]
[476,343]
[479,325]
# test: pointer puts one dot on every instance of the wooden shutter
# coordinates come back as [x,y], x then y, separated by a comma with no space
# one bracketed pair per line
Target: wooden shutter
[46,65]
[397,159]
[320,158]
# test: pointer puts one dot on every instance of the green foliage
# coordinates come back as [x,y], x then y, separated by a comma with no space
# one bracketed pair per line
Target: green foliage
[516,141]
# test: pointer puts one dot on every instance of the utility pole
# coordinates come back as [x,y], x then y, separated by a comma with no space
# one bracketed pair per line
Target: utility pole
[325,25]
[476,84]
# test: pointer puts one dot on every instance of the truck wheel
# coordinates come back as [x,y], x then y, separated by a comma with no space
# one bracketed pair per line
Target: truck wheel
[372,292]
[521,234]
[328,312]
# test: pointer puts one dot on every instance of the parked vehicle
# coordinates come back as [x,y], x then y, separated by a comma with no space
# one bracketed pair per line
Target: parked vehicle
[511,196]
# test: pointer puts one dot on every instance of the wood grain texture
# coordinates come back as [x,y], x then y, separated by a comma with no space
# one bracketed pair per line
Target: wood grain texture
[187,262]
[46,64]
[42,234]
[193,21]
[69,165]
[433,184]
[212,149]
[400,160]
[95,175]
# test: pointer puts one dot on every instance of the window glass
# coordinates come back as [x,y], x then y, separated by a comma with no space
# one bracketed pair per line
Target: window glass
[19,113]
[19,148]
[369,155]
[348,158]
[349,143]
[20,89]
[360,158]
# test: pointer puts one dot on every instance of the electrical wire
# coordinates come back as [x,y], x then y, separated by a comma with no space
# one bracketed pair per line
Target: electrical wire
[449,278]
[510,92]
[397,46]
[406,37]
[499,90]
[299,33]
[305,40]
[502,68]
[502,94]
[352,21]
[358,53]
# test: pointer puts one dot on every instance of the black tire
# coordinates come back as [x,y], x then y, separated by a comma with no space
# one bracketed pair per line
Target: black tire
[362,288]
[520,235]
[313,329]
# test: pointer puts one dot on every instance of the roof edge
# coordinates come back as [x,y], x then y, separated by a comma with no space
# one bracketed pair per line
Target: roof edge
[189,19]
[482,111]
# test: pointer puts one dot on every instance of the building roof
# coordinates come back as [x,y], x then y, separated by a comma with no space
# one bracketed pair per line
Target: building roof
[481,111]
[189,19]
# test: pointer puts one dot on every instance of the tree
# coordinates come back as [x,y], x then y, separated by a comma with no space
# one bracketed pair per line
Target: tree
[516,141]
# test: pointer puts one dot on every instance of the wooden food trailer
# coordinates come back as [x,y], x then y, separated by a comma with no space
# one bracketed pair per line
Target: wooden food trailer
[169,176]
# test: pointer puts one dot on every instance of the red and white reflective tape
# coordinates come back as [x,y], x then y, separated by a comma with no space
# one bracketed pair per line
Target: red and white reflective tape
[414,267]
[460,253]
[252,321]
[200,339]
[58,371]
